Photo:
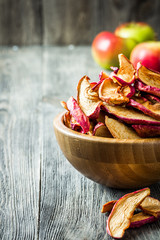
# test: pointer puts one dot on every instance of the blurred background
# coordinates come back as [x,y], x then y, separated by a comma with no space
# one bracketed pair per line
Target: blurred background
[60,22]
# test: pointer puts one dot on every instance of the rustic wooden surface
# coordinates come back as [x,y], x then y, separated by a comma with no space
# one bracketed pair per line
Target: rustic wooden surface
[41,195]
[69,22]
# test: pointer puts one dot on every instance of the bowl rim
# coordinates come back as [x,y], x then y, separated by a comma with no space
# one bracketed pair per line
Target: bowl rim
[60,126]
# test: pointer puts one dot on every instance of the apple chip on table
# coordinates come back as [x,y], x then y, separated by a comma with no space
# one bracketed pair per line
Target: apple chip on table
[123,105]
[123,213]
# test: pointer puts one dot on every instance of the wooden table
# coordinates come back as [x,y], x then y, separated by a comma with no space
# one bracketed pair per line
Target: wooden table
[41,195]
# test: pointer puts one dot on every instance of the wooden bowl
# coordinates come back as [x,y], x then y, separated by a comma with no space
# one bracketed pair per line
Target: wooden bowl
[112,162]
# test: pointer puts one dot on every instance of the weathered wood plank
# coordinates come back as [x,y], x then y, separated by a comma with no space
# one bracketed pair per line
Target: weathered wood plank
[20,142]
[72,22]
[70,203]
[20,22]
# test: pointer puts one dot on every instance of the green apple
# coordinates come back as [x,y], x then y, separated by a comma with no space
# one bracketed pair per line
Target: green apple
[139,31]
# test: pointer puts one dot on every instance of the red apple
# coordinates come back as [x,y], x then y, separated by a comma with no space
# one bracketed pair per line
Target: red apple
[139,31]
[106,47]
[148,53]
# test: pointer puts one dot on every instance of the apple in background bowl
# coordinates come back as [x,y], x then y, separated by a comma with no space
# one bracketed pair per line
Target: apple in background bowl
[106,46]
[139,31]
[148,53]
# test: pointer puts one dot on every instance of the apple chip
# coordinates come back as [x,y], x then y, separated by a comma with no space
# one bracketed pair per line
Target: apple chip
[120,217]
[129,116]
[146,107]
[101,130]
[148,76]
[66,119]
[140,219]
[107,207]
[148,89]
[111,93]
[151,206]
[146,131]
[126,72]
[78,114]
[87,99]
[152,98]
[120,130]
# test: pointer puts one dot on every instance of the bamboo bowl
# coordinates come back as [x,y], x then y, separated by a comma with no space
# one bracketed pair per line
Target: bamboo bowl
[112,162]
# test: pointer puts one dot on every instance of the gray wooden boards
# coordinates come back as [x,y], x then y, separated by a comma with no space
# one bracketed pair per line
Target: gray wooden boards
[41,195]
[69,22]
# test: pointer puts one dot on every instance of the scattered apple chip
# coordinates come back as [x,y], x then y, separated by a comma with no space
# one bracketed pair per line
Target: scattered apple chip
[120,217]
[111,93]
[148,76]
[120,130]
[107,207]
[148,89]
[151,206]
[140,219]
[129,116]
[87,99]
[101,130]
[78,114]
[126,72]
[146,107]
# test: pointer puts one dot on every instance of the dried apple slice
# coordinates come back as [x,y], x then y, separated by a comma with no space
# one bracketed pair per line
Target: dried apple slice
[146,131]
[66,119]
[151,206]
[120,130]
[111,92]
[129,116]
[128,91]
[146,107]
[107,207]
[87,99]
[141,219]
[115,69]
[148,89]
[78,114]
[126,72]
[120,217]
[101,130]
[152,98]
[148,76]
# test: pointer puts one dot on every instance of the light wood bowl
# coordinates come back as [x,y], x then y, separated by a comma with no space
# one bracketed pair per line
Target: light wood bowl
[112,162]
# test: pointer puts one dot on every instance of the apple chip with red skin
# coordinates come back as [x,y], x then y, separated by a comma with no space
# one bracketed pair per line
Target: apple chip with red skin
[100,130]
[120,217]
[148,77]
[129,116]
[87,99]
[148,89]
[140,219]
[78,114]
[112,93]
[119,130]
[146,107]
[147,131]
[126,73]
[151,206]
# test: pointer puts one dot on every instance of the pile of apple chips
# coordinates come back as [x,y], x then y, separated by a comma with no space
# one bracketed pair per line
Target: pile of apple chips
[123,105]
[122,212]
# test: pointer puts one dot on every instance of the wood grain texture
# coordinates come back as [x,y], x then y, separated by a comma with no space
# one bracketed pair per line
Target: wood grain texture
[41,195]
[70,203]
[112,162]
[20,22]
[59,22]
[20,127]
